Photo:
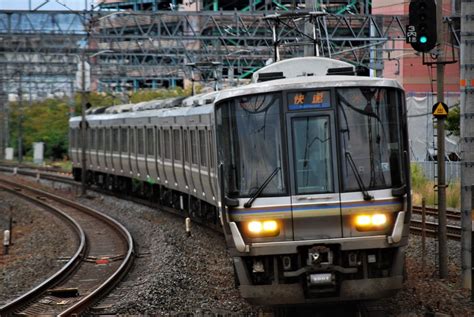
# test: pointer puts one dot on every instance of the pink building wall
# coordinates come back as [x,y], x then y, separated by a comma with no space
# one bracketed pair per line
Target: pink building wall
[406,66]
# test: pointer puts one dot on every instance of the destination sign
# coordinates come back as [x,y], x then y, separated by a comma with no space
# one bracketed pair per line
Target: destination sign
[309,100]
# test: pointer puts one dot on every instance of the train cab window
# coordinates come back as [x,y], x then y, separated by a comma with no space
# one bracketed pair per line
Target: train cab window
[100,139]
[194,147]
[150,143]
[176,145]
[140,142]
[249,143]
[166,139]
[123,140]
[312,154]
[202,147]
[132,141]
[371,141]
[115,139]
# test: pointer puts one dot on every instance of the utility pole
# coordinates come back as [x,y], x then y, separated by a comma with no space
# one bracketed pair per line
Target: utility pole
[442,223]
[83,108]
[467,139]
[20,120]
[3,116]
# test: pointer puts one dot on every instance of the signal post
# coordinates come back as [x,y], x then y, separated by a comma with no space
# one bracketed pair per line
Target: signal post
[425,24]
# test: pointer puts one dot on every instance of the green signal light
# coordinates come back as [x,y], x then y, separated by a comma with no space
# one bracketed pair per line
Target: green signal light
[423,39]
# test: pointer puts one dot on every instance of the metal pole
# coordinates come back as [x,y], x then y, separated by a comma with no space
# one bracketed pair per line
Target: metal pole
[442,231]
[20,121]
[467,137]
[423,232]
[83,111]
[472,253]
[3,117]
[275,42]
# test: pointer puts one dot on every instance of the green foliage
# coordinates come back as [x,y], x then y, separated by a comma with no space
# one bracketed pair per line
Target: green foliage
[418,179]
[453,120]
[424,188]
[48,120]
[44,121]
[147,94]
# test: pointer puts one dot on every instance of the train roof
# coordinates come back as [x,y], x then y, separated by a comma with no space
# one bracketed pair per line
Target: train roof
[308,82]
[293,74]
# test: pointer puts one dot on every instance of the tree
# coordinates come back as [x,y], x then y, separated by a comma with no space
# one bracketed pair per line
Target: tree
[48,120]
[453,120]
[44,121]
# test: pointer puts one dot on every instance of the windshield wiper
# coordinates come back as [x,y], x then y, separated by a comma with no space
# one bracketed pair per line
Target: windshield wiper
[249,203]
[366,194]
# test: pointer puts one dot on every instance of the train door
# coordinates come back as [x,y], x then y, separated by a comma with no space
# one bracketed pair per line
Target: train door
[315,197]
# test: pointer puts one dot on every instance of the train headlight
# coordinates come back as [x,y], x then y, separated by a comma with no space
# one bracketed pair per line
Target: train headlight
[264,228]
[371,222]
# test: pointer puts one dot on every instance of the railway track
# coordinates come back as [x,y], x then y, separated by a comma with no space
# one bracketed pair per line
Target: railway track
[431,230]
[103,256]
[451,214]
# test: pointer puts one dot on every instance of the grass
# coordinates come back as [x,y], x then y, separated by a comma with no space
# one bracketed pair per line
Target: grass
[425,188]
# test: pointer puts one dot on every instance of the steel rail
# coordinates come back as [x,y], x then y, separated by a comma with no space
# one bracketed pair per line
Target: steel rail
[88,300]
[67,269]
[431,229]
[451,214]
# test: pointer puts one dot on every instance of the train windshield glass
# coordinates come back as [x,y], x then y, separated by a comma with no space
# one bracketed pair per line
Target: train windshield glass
[370,132]
[250,146]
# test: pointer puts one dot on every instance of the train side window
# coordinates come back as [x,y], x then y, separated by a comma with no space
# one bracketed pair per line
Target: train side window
[202,144]
[150,142]
[211,147]
[194,147]
[108,143]
[100,139]
[93,139]
[123,140]
[132,141]
[89,137]
[140,141]
[72,138]
[158,143]
[166,136]
[115,140]
[79,138]
[185,141]
[176,145]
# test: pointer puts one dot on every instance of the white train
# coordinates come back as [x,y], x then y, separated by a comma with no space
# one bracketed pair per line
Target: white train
[306,169]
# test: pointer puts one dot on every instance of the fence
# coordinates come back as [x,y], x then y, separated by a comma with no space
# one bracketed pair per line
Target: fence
[453,170]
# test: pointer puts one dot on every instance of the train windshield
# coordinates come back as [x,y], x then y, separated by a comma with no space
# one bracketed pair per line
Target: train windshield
[249,138]
[371,132]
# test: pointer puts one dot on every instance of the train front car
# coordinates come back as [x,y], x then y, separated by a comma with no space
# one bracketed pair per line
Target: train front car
[315,176]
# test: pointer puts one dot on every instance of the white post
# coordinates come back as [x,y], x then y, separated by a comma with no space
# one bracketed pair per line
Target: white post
[187,223]
[6,241]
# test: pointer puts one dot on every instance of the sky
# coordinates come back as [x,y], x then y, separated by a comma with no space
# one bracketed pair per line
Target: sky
[48,4]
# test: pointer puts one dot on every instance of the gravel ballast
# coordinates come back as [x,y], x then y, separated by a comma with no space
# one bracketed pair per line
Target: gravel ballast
[36,252]
[176,274]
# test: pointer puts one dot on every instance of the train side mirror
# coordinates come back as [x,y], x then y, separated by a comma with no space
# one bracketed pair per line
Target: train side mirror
[231,202]
[400,191]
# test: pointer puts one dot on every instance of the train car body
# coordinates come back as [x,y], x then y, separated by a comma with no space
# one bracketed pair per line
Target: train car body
[308,176]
